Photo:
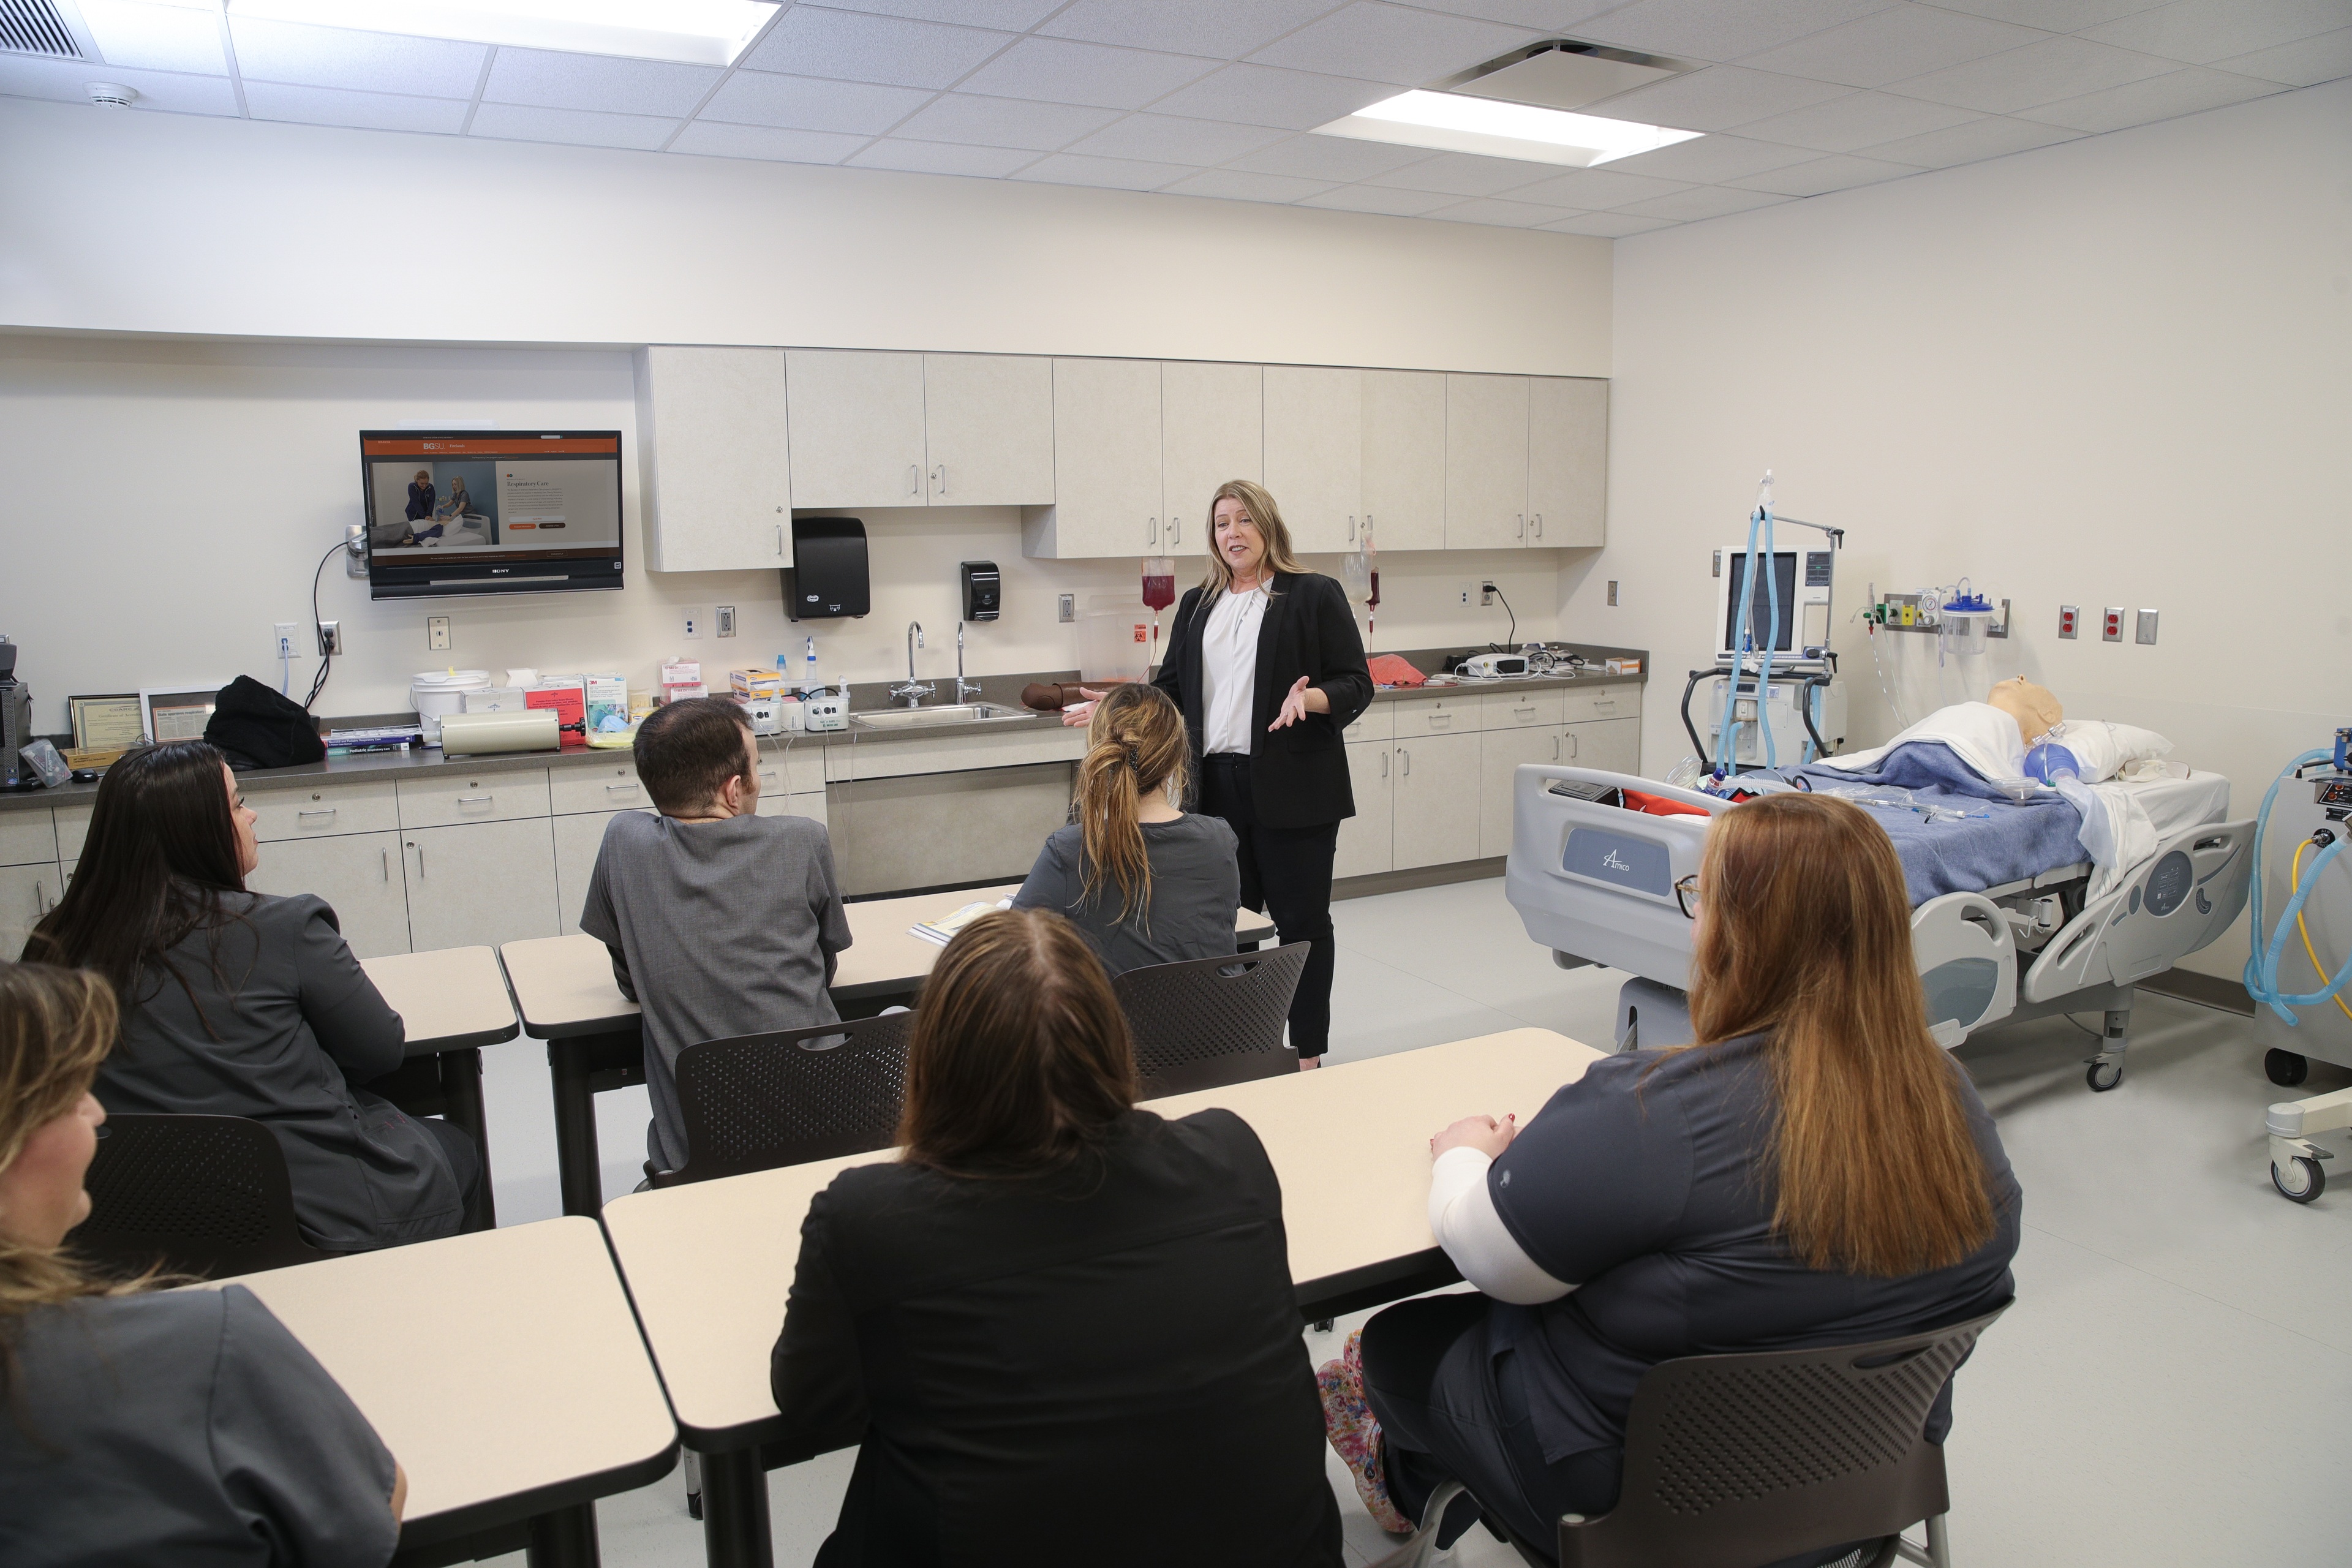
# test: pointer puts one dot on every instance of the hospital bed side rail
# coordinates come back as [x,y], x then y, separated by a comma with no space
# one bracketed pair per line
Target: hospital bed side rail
[1595,882]
[2180,898]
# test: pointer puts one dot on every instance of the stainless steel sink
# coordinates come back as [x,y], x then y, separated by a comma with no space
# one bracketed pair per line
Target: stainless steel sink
[943,716]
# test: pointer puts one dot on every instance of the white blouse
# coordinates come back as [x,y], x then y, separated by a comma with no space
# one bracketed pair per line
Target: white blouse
[1229,669]
[1462,1216]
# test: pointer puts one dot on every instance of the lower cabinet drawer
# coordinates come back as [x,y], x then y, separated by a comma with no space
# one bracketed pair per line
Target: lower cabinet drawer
[324,813]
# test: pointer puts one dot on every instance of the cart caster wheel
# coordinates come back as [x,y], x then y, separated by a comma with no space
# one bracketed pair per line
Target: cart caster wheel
[2103,1075]
[2307,1182]
[2286,1068]
[694,1505]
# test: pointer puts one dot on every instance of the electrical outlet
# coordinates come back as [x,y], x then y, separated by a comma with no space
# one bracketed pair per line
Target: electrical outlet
[330,637]
[697,617]
[2111,623]
[436,634]
[285,644]
[724,620]
[1486,593]
[1068,605]
[2069,618]
[1612,593]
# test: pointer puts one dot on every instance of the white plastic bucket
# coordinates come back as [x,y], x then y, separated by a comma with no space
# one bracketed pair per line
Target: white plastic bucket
[436,692]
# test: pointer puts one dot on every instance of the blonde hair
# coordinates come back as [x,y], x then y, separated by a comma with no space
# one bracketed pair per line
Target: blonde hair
[1279,554]
[1136,743]
[1805,934]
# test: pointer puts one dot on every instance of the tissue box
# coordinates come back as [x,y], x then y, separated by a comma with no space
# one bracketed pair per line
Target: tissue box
[608,697]
[682,679]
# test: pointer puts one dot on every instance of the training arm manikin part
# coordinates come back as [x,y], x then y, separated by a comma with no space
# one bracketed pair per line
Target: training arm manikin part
[1462,1216]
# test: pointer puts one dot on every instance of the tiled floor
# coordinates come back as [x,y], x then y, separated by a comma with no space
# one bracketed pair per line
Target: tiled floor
[2164,1391]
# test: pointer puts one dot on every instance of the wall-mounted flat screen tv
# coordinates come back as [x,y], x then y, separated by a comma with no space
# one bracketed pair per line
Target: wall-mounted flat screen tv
[452,513]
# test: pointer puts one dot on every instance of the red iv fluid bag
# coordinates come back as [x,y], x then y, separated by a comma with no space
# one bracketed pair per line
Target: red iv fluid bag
[1159,582]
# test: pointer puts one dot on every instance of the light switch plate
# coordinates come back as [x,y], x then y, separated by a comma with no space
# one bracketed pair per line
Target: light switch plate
[2144,631]
[1612,593]
[436,633]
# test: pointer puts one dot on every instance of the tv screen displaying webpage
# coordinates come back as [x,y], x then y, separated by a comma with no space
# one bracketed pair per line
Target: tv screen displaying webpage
[474,511]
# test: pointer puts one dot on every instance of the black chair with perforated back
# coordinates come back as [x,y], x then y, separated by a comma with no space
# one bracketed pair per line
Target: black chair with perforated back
[1735,1461]
[1209,1022]
[207,1195]
[790,1096]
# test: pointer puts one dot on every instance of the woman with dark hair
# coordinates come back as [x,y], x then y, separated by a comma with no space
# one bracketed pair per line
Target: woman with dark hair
[137,1428]
[1061,1328]
[1814,1170]
[238,1004]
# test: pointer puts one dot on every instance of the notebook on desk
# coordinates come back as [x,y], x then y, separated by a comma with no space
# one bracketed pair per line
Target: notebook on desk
[940,931]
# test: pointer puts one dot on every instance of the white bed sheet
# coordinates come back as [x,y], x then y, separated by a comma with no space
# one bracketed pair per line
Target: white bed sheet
[2142,815]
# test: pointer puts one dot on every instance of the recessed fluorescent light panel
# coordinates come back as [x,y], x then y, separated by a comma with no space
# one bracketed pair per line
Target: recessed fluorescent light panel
[691,32]
[1455,123]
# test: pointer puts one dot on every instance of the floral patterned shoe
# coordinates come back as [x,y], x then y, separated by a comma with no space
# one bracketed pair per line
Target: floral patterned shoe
[1355,1433]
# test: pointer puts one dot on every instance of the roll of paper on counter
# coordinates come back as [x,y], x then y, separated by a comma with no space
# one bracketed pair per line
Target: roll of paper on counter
[487,734]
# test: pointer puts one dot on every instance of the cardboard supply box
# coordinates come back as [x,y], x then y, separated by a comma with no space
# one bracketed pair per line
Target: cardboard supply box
[682,679]
[568,696]
[608,697]
[752,680]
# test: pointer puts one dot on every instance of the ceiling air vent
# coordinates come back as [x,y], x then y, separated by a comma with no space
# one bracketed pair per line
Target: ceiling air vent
[34,28]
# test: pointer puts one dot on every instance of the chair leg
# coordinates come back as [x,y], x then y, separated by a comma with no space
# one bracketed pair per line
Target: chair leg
[1937,1554]
[1421,1547]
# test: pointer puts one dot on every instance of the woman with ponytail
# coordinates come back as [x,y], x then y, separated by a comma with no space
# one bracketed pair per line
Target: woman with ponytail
[1143,881]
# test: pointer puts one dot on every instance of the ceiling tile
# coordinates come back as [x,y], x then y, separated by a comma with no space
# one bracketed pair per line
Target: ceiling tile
[156,38]
[1116,174]
[340,57]
[2203,31]
[1169,140]
[851,46]
[21,76]
[1544,15]
[580,127]
[802,103]
[1059,70]
[1712,30]
[1008,15]
[1380,42]
[1607,225]
[1596,190]
[1825,174]
[2185,91]
[942,158]
[2038,73]
[1464,175]
[1857,120]
[2051,15]
[1887,46]
[2306,63]
[1226,29]
[1716,98]
[1239,185]
[1329,158]
[1703,201]
[1262,95]
[551,80]
[766,141]
[1712,159]
[1500,214]
[367,111]
[1004,121]
[1381,199]
[1991,137]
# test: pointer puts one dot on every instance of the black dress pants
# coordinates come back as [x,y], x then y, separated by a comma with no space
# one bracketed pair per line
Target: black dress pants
[465,1160]
[1285,873]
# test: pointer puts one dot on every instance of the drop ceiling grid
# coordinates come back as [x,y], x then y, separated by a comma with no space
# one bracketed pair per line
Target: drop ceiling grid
[1212,98]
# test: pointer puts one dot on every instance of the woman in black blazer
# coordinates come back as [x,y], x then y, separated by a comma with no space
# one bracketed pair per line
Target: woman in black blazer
[1265,661]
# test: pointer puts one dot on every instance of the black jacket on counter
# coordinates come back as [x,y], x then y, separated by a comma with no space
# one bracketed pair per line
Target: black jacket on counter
[1098,1364]
[1299,772]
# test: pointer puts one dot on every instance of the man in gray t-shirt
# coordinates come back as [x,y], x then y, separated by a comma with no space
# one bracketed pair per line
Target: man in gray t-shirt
[720,921]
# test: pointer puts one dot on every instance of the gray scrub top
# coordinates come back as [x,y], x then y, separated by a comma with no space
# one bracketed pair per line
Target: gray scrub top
[185,1429]
[1196,885]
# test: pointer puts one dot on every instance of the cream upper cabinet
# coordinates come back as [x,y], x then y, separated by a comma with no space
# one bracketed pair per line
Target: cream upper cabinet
[1568,460]
[1106,467]
[1212,429]
[1486,462]
[1403,487]
[1315,452]
[857,427]
[988,429]
[712,466]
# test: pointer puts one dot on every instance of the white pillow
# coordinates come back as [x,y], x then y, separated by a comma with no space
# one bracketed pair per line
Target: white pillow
[2103,749]
[1981,734]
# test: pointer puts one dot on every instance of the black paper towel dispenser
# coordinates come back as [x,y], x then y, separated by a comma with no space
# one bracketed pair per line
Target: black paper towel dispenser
[983,597]
[827,579]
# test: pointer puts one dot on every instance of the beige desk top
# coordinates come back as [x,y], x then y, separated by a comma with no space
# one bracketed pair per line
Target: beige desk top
[495,1366]
[709,1264]
[564,984]
[449,1000]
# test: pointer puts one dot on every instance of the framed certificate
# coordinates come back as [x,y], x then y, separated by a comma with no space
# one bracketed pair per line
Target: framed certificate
[177,712]
[113,723]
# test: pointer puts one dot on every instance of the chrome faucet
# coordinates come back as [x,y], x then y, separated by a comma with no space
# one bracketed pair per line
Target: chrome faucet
[913,692]
[964,689]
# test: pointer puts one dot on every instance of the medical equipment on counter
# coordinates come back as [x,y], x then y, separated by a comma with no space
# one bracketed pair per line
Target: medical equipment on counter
[766,714]
[825,711]
[489,735]
[1493,666]
[1802,720]
[2300,835]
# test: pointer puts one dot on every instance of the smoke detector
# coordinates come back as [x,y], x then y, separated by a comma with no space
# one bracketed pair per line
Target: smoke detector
[112,95]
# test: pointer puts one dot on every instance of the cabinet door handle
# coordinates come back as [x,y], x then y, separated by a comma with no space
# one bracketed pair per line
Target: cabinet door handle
[1404,761]
[386,856]
[617,788]
[1538,519]
[1175,531]
[780,539]
[1575,745]
[1555,748]
[1351,530]
[420,860]
[1151,531]
[943,476]
[466,800]
[41,904]
[323,810]
[1384,764]
[1441,719]
[914,479]
[1527,713]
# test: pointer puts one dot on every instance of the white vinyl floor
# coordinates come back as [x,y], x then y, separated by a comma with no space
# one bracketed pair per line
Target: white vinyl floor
[2164,1391]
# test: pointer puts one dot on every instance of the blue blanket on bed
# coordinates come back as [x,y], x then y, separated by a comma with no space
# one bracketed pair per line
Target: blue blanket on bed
[2016,841]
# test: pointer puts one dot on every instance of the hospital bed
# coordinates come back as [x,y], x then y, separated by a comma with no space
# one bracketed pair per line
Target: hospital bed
[2006,924]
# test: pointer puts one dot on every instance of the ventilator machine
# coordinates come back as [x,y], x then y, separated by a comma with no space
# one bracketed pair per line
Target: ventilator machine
[2299,971]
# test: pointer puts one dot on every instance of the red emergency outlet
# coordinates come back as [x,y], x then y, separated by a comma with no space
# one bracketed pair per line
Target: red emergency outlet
[2114,626]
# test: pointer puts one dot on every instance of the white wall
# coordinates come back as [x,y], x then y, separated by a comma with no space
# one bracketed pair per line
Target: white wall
[2114,372]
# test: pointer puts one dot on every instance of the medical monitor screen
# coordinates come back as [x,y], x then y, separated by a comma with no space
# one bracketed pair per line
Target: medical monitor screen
[475,512]
[1759,607]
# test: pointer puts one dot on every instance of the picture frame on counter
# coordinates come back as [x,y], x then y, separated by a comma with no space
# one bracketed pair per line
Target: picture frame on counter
[112,721]
[177,712]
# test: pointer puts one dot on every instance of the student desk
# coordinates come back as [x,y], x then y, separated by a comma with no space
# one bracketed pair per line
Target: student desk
[709,1264]
[504,1369]
[452,1003]
[564,986]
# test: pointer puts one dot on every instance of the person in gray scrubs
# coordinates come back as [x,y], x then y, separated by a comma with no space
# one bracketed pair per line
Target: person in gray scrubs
[238,1004]
[135,1428]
